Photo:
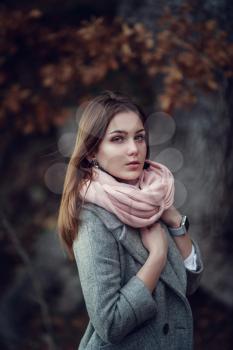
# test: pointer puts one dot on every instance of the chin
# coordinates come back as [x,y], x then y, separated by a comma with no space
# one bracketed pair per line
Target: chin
[121,178]
[128,178]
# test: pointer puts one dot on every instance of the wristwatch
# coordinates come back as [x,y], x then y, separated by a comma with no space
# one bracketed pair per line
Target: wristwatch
[179,231]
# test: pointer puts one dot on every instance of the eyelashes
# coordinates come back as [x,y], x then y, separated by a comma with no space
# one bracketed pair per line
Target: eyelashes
[140,137]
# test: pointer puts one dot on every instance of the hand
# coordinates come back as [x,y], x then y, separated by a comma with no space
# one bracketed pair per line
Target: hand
[154,239]
[171,217]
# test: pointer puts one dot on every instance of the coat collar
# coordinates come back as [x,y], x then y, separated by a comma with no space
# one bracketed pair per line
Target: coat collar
[174,274]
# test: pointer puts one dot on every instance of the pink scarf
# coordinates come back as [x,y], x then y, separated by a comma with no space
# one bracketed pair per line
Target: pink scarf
[137,205]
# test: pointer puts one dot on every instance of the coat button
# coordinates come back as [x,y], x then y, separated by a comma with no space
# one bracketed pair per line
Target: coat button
[166,328]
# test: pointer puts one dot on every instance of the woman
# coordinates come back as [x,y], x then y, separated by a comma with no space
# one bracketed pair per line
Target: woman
[135,258]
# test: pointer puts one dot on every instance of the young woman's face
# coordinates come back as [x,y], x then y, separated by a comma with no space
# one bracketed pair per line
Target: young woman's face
[123,142]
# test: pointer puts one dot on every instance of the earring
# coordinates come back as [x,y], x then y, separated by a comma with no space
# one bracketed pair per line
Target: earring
[94,163]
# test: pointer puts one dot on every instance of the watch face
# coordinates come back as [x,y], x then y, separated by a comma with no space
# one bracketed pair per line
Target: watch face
[186,223]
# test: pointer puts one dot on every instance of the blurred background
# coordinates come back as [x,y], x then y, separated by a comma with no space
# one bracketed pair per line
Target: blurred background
[175,58]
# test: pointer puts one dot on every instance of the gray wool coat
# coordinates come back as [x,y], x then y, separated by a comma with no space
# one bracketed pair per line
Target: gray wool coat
[123,313]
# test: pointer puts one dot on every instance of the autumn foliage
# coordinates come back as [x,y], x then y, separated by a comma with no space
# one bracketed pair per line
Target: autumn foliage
[43,68]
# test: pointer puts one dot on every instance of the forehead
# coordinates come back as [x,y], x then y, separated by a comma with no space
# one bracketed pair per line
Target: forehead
[127,121]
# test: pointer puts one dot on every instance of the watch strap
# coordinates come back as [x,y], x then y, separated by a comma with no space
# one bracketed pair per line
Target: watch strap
[179,231]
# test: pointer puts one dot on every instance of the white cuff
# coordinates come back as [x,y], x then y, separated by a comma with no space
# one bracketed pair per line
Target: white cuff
[190,262]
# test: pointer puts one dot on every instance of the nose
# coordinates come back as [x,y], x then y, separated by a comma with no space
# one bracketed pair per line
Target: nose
[132,147]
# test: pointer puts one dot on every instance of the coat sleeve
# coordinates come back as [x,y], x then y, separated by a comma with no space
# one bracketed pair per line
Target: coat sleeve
[113,309]
[194,277]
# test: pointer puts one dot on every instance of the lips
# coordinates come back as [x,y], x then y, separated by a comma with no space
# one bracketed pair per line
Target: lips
[134,162]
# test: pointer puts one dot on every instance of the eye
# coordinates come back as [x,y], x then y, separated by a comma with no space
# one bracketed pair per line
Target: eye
[141,137]
[117,138]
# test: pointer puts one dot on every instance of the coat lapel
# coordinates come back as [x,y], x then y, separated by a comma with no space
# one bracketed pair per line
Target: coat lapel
[174,274]
[130,239]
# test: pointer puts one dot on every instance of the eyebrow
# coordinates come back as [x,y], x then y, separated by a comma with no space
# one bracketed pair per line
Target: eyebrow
[124,132]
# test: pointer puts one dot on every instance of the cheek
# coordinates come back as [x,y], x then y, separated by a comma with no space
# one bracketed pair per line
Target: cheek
[143,149]
[110,152]
[144,146]
[106,150]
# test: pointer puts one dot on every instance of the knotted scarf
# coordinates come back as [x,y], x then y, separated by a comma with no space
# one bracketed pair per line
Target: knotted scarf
[138,205]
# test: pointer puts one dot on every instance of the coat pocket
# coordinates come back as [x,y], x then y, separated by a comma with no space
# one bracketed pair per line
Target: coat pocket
[143,337]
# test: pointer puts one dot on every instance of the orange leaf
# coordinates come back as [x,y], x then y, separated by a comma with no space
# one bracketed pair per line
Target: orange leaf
[165,102]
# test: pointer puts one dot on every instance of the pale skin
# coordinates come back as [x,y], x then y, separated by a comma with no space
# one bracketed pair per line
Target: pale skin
[123,142]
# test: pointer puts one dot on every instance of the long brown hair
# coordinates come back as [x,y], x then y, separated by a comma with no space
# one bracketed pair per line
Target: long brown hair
[92,127]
